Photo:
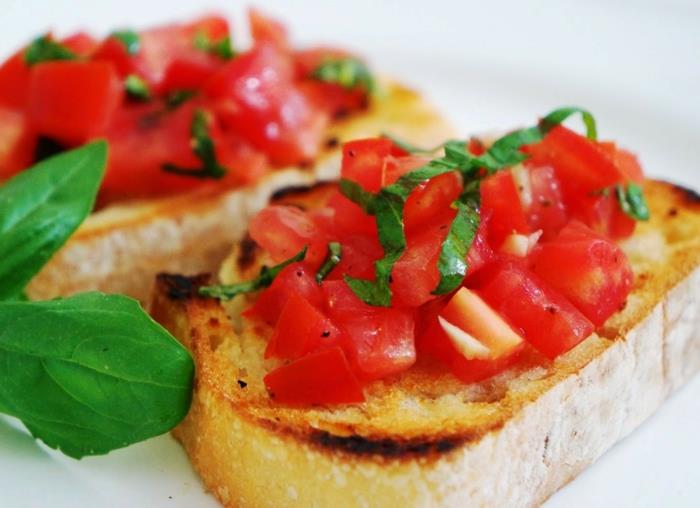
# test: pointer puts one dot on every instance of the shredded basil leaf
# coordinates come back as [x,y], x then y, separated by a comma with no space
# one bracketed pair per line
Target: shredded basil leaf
[130,39]
[137,88]
[632,202]
[221,48]
[264,279]
[44,49]
[332,258]
[348,72]
[452,263]
[203,147]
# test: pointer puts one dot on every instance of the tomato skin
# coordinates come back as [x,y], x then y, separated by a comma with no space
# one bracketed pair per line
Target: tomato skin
[602,213]
[14,82]
[598,278]
[284,230]
[324,377]
[580,164]
[301,329]
[626,162]
[113,50]
[17,143]
[72,101]
[266,29]
[187,74]
[364,162]
[500,199]
[430,199]
[547,211]
[547,320]
[255,97]
[297,278]
[480,253]
[380,339]
[80,43]
[348,217]
[358,256]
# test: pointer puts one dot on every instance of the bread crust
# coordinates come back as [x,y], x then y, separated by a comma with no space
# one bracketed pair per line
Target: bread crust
[121,248]
[539,428]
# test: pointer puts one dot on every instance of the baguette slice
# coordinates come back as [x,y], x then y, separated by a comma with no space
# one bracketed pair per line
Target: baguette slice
[121,248]
[424,439]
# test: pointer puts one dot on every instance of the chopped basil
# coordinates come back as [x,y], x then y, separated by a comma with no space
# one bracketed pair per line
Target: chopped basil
[130,40]
[137,88]
[44,49]
[632,202]
[263,280]
[221,48]
[203,147]
[332,259]
[176,98]
[348,72]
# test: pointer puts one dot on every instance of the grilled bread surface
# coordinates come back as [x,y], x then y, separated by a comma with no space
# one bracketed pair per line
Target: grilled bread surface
[122,247]
[423,438]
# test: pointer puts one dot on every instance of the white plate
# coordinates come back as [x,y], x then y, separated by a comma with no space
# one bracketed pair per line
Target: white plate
[488,65]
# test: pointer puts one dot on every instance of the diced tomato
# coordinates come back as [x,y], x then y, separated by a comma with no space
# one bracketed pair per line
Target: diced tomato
[499,197]
[266,29]
[588,269]
[72,101]
[580,164]
[17,142]
[547,211]
[381,340]
[255,96]
[480,253]
[364,161]
[295,279]
[626,162]
[603,214]
[284,230]
[113,50]
[80,43]
[476,146]
[301,329]
[319,378]
[14,82]
[187,74]
[415,275]
[358,256]
[348,217]
[547,320]
[430,199]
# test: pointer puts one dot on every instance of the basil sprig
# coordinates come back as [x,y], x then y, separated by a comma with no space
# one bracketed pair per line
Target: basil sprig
[347,72]
[45,49]
[632,202]
[387,205]
[41,207]
[130,39]
[91,373]
[204,149]
[264,279]
[333,257]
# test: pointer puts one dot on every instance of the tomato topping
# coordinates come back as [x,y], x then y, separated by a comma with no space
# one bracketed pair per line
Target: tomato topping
[364,162]
[71,101]
[14,82]
[80,43]
[600,278]
[358,257]
[255,96]
[265,29]
[380,339]
[349,218]
[17,142]
[499,197]
[547,320]
[301,328]
[295,279]
[431,198]
[319,378]
[546,210]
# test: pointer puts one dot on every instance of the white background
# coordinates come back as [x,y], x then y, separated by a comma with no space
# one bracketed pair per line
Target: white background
[488,65]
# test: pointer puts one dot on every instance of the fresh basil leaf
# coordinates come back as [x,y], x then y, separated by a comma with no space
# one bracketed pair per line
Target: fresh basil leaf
[355,193]
[264,279]
[203,147]
[137,88]
[221,48]
[632,202]
[130,39]
[91,373]
[348,72]
[44,49]
[558,116]
[41,207]
[452,263]
[332,258]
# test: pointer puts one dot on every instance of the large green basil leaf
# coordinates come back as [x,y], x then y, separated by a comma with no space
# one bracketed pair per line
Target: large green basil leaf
[41,207]
[91,373]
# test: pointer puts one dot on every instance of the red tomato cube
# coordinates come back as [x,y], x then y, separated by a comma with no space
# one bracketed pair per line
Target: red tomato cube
[17,142]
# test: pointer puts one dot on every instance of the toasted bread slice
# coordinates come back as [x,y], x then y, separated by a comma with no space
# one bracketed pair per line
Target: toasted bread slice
[121,248]
[424,439]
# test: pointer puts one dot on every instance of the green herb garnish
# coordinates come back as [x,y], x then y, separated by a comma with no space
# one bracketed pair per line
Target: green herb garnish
[137,88]
[264,279]
[177,98]
[331,260]
[632,202]
[221,48]
[348,72]
[203,147]
[130,39]
[45,49]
